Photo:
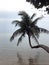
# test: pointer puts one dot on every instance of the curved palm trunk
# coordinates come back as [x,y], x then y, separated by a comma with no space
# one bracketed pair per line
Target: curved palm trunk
[46,48]
[30,42]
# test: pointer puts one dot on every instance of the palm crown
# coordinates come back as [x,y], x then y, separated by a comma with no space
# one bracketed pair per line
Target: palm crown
[27,26]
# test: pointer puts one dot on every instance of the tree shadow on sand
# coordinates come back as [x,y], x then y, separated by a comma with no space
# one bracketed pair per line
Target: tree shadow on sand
[31,61]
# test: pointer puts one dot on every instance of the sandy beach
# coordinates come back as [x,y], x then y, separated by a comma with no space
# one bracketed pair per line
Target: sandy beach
[10,54]
[23,57]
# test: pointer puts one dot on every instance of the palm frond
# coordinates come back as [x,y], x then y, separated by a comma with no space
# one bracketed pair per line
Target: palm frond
[37,34]
[15,34]
[16,22]
[35,21]
[23,13]
[33,35]
[44,30]
[35,39]
[36,31]
[20,39]
[33,16]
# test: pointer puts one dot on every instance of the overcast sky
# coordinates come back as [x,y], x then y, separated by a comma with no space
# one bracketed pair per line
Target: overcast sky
[16,5]
[9,10]
[12,5]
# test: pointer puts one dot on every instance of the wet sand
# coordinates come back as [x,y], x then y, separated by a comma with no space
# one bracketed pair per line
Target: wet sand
[10,54]
[20,56]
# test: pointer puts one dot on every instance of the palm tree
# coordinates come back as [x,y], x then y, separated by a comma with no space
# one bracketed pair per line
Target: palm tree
[29,27]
